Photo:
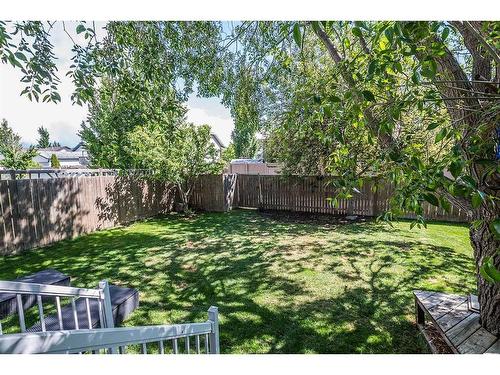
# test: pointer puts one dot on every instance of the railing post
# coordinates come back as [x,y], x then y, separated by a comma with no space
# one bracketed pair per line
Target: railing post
[213,317]
[108,309]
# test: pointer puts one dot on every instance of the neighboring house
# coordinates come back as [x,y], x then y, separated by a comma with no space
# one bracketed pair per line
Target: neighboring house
[217,143]
[76,157]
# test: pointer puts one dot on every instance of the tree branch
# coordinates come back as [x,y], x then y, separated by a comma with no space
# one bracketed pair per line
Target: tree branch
[483,42]
[373,123]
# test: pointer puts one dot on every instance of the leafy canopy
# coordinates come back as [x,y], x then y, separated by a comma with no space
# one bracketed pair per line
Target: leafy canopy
[11,150]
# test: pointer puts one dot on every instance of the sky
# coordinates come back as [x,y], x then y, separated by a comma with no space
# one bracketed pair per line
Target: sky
[63,119]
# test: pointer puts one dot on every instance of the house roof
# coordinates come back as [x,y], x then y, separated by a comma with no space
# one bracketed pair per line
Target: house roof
[246,161]
[80,144]
[57,148]
[217,140]
[62,152]
[61,155]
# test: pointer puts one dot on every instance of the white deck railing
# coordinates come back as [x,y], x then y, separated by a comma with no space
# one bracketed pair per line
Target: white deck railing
[117,340]
[107,339]
[26,292]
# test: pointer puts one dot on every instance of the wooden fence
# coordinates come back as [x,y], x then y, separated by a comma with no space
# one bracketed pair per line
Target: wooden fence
[37,212]
[41,211]
[314,194]
[214,192]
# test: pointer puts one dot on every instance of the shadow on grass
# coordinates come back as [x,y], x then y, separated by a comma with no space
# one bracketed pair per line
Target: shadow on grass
[280,287]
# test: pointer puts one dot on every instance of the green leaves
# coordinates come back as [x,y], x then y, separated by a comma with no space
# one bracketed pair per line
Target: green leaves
[334,99]
[445,204]
[80,29]
[415,77]
[477,198]
[315,25]
[441,135]
[488,271]
[371,67]
[356,31]
[495,228]
[429,68]
[431,198]
[21,56]
[368,95]
[14,156]
[456,167]
[445,33]
[297,34]
[389,34]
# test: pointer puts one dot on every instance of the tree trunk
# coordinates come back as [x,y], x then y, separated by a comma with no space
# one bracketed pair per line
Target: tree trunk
[484,245]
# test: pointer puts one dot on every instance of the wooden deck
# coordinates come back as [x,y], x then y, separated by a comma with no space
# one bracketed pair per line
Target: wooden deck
[458,325]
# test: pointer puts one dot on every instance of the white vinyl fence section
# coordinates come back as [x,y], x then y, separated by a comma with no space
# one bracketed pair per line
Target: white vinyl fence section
[29,294]
[195,337]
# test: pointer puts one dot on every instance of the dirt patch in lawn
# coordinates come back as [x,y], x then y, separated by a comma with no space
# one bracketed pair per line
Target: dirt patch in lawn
[313,218]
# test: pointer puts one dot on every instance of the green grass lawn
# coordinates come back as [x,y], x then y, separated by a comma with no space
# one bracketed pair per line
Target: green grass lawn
[281,287]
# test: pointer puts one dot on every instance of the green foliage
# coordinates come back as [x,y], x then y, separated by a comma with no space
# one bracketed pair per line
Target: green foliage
[178,156]
[33,54]
[489,271]
[495,228]
[44,138]
[14,157]
[54,162]
[140,64]
[297,35]
[228,154]
[245,112]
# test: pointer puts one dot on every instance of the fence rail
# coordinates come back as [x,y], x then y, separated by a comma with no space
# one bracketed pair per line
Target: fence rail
[117,340]
[44,173]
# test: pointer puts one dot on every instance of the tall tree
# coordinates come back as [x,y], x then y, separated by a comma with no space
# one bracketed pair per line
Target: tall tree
[470,126]
[43,138]
[14,157]
[140,64]
[54,162]
[179,156]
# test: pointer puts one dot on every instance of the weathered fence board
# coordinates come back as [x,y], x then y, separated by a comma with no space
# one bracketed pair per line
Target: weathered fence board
[315,194]
[214,192]
[37,212]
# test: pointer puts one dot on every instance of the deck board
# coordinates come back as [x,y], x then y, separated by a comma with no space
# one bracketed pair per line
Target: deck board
[458,325]
[423,294]
[454,316]
[494,349]
[464,329]
[445,306]
[478,342]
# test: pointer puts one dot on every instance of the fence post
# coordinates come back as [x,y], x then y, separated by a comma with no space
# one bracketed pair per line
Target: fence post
[349,209]
[260,193]
[213,317]
[228,185]
[374,185]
